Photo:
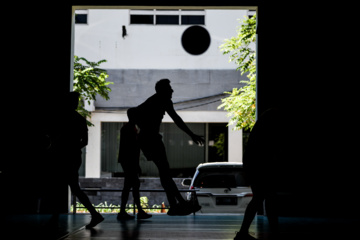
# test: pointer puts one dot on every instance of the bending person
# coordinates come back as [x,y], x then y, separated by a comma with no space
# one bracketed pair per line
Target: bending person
[151,113]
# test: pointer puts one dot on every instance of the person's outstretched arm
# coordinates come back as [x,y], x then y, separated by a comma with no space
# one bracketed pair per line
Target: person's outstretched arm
[180,123]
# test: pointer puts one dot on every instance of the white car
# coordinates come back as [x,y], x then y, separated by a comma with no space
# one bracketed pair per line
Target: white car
[221,187]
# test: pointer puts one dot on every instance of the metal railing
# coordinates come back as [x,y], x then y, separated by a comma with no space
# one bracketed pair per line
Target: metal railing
[120,190]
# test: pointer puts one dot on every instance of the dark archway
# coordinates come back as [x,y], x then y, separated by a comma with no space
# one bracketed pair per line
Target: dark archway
[319,154]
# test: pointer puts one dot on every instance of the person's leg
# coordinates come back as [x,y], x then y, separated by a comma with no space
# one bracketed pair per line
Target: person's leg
[125,195]
[136,193]
[172,193]
[96,217]
[164,172]
[83,198]
[154,150]
[135,190]
[72,176]
[128,182]
[250,212]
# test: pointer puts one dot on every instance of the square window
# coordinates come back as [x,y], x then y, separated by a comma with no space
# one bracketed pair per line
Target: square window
[141,19]
[167,19]
[80,18]
[192,19]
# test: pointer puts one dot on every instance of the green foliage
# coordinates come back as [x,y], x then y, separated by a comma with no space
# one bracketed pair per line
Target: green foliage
[89,81]
[219,144]
[111,208]
[240,104]
[144,202]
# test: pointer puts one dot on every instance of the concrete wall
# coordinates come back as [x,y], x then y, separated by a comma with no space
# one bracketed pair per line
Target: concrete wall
[132,87]
[151,46]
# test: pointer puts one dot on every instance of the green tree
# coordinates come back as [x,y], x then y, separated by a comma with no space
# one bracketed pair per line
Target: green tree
[240,104]
[89,81]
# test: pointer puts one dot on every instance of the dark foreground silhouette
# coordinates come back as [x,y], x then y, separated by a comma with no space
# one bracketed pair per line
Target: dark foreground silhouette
[71,137]
[150,115]
[129,155]
[260,164]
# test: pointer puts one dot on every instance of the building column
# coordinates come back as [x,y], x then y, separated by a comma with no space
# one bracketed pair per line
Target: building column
[93,151]
[235,145]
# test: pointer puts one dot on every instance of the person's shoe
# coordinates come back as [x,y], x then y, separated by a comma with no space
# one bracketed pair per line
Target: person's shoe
[143,215]
[184,209]
[173,210]
[124,216]
[190,206]
[95,220]
[196,208]
[240,236]
[178,210]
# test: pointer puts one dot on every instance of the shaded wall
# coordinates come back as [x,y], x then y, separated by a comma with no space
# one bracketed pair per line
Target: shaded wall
[38,76]
[133,86]
[317,157]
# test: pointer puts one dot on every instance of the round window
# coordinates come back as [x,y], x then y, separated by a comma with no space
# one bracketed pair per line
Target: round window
[195,40]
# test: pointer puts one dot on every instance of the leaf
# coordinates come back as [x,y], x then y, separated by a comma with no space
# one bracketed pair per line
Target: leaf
[89,81]
[240,104]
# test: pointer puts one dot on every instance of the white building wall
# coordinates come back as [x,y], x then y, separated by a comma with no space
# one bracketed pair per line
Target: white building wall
[151,46]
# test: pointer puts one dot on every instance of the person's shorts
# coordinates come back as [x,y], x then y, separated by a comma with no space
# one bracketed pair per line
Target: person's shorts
[153,147]
[131,174]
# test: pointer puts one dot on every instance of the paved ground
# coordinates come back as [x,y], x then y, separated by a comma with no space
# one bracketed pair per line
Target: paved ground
[162,226]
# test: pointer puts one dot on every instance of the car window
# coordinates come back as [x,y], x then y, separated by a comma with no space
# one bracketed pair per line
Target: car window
[220,178]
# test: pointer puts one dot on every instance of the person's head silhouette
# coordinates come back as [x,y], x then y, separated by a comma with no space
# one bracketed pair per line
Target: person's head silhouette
[163,88]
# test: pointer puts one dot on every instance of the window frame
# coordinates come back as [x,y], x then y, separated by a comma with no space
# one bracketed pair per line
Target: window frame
[82,12]
[167,12]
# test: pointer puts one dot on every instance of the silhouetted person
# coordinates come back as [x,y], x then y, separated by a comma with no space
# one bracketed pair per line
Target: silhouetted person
[72,137]
[260,165]
[151,113]
[129,155]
